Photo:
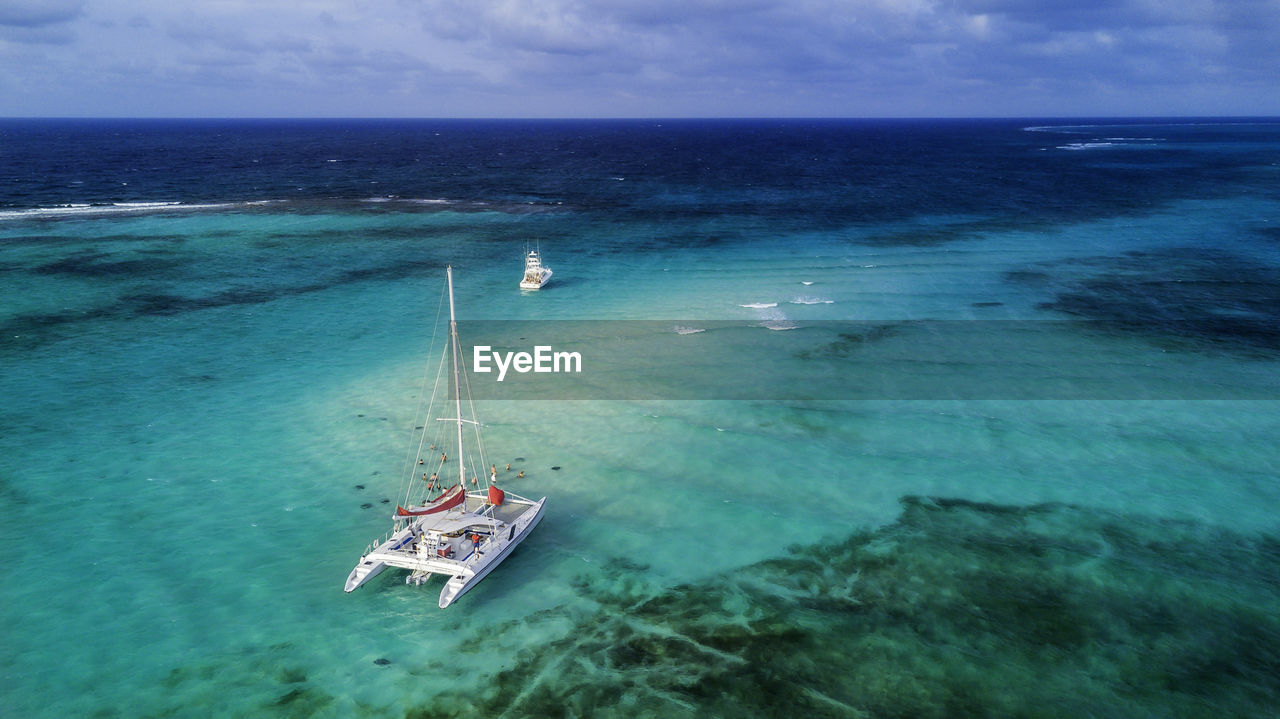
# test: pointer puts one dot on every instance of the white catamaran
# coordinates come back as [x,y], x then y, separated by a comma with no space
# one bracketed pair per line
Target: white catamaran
[535,273]
[450,530]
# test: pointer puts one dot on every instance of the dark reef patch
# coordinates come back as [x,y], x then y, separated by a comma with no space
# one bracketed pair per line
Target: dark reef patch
[300,702]
[10,494]
[1028,277]
[291,675]
[156,303]
[1209,297]
[927,235]
[97,264]
[38,322]
[959,609]
[362,235]
[166,304]
[30,330]
[856,336]
[257,680]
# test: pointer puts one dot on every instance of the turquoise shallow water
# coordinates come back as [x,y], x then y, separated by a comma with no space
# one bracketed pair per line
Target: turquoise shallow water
[193,398]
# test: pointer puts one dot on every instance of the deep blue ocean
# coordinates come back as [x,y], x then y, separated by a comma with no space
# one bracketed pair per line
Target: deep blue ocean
[877,418]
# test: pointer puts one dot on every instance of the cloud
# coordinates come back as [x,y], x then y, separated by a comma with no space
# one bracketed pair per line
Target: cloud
[39,22]
[38,13]
[1128,43]
[683,39]
[652,57]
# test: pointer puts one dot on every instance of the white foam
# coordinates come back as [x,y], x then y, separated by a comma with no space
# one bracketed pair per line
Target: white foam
[775,319]
[408,200]
[688,330]
[760,305]
[80,209]
[781,325]
[1111,142]
[1080,128]
[803,282]
[811,301]
[1085,145]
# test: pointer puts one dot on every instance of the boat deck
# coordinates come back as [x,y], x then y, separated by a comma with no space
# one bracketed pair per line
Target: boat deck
[400,550]
[511,510]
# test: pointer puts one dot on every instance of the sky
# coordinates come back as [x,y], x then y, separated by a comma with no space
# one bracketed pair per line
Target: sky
[638,58]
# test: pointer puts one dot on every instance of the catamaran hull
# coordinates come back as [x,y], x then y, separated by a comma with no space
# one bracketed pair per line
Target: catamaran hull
[363,572]
[371,565]
[459,584]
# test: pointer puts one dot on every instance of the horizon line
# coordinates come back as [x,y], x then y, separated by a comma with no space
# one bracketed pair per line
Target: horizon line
[673,118]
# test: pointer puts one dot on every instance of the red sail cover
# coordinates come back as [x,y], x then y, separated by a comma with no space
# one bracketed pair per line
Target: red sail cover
[496,495]
[448,500]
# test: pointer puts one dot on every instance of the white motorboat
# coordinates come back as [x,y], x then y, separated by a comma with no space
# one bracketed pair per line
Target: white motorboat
[536,274]
[444,526]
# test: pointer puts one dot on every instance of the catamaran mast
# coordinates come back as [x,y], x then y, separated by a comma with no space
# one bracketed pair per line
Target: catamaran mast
[457,387]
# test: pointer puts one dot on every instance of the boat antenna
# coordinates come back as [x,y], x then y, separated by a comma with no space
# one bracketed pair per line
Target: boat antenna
[457,387]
